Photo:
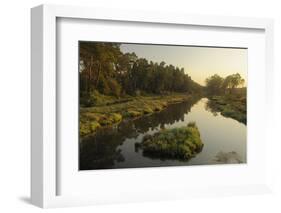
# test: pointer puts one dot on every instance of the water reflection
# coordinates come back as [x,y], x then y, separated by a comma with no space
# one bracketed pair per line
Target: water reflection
[101,150]
[228,157]
[238,114]
[211,106]
[115,147]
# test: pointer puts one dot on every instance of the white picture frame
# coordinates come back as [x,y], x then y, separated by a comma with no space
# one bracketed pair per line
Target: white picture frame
[44,149]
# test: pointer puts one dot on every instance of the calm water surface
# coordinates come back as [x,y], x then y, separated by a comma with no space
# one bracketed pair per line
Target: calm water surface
[115,147]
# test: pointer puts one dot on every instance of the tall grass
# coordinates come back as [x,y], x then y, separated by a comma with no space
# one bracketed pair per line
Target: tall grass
[179,143]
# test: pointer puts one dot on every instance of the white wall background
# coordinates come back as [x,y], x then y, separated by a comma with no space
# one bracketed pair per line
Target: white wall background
[15,105]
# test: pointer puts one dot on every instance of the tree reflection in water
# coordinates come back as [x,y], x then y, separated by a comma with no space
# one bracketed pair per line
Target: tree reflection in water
[225,109]
[102,150]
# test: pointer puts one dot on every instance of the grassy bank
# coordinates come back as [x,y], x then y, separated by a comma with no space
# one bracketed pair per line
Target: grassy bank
[179,143]
[110,110]
[233,106]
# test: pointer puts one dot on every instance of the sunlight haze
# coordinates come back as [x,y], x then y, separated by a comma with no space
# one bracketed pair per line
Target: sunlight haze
[198,62]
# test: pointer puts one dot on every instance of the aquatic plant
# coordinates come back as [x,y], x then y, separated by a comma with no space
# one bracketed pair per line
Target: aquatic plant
[109,110]
[178,143]
[231,106]
[227,157]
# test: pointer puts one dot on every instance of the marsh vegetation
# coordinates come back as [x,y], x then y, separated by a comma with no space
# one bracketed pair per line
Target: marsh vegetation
[180,143]
[139,113]
[112,111]
[231,106]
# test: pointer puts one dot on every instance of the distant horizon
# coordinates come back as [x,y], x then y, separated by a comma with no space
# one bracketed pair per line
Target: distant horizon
[199,62]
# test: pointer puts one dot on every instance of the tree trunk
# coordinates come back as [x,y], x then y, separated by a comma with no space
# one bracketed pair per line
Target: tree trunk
[90,74]
[232,89]
[98,75]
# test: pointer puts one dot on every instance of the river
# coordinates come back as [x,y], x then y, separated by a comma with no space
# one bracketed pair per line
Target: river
[224,139]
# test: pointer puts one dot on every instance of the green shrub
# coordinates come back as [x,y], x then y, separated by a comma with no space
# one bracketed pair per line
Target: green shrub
[179,143]
[116,117]
[92,116]
[85,128]
[115,88]
[94,126]
[106,110]
[230,106]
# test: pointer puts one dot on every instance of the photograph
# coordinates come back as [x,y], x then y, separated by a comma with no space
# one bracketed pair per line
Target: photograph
[160,105]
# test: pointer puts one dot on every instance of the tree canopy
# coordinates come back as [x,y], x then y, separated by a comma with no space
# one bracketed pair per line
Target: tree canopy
[106,69]
[215,84]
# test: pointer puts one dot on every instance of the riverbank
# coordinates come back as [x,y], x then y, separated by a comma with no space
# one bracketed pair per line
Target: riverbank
[115,148]
[232,106]
[112,111]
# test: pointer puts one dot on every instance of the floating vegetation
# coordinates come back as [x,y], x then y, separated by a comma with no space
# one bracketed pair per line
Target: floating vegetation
[179,143]
[228,158]
[230,106]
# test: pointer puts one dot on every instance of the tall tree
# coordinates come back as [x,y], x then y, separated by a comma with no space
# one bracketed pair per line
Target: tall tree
[214,84]
[233,81]
[106,69]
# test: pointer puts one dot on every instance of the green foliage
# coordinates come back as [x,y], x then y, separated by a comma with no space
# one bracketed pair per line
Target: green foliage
[179,143]
[114,87]
[109,119]
[90,121]
[230,105]
[98,99]
[116,117]
[110,110]
[94,125]
[147,110]
[158,107]
[85,128]
[216,85]
[108,71]
[133,113]
[88,127]
[233,81]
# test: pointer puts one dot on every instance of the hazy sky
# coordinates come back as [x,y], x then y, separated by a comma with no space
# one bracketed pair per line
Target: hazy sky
[198,62]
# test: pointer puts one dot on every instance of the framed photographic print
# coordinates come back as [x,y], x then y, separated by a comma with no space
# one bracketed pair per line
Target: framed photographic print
[149,106]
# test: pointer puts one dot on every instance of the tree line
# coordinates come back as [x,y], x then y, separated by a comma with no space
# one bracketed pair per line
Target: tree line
[106,69]
[217,85]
